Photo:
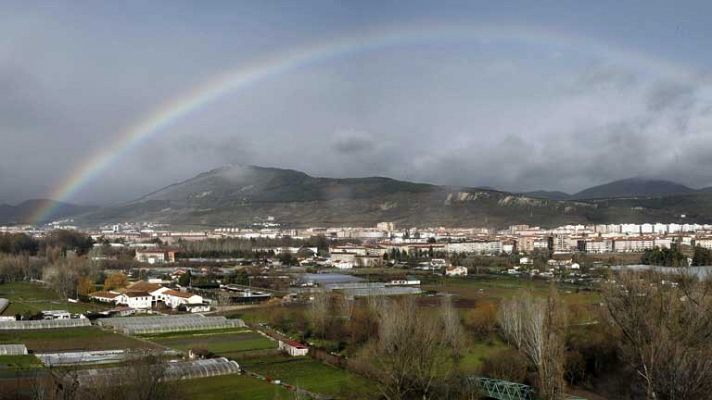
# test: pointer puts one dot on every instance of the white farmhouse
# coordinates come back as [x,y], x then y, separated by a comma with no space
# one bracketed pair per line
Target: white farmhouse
[139,300]
[456,271]
[293,348]
[175,299]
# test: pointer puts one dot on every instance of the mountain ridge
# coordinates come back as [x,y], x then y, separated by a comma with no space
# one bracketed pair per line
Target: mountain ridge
[622,188]
[241,195]
[236,195]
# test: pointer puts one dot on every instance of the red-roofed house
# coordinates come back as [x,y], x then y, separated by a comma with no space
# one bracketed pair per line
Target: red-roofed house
[139,300]
[293,348]
[103,296]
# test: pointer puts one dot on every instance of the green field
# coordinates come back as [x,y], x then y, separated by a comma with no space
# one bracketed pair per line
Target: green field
[238,387]
[306,373]
[229,344]
[495,288]
[65,339]
[471,362]
[26,297]
[20,362]
[173,335]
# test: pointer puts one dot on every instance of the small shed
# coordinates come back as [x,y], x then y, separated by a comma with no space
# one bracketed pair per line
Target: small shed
[293,348]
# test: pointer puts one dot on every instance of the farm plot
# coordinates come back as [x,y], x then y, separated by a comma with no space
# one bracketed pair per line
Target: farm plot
[496,288]
[30,298]
[238,387]
[307,373]
[19,362]
[228,343]
[86,338]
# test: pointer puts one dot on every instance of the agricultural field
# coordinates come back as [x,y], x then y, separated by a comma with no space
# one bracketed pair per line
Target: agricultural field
[85,338]
[307,373]
[231,343]
[26,297]
[496,288]
[475,355]
[19,362]
[238,387]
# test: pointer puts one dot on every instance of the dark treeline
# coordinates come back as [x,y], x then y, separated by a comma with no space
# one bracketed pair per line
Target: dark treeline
[671,257]
[18,243]
[702,256]
[247,248]
[62,240]
[57,259]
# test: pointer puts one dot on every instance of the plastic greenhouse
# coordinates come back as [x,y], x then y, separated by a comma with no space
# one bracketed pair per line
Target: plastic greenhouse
[173,371]
[12,349]
[160,324]
[44,324]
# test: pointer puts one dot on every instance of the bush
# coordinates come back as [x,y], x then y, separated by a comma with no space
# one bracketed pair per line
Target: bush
[482,320]
[508,365]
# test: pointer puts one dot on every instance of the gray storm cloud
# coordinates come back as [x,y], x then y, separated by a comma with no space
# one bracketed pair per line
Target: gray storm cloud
[460,114]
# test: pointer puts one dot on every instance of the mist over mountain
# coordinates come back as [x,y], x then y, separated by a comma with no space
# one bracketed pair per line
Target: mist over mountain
[630,187]
[548,194]
[23,212]
[633,187]
[237,195]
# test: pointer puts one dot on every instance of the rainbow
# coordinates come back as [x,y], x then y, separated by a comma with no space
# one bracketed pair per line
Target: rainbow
[281,63]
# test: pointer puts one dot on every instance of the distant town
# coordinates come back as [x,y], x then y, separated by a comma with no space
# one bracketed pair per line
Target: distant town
[386,238]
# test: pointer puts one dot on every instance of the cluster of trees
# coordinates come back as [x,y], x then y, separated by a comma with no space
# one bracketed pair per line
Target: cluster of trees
[537,328]
[409,351]
[665,333]
[701,256]
[66,275]
[58,240]
[671,257]
[18,243]
[239,248]
[414,256]
[414,352]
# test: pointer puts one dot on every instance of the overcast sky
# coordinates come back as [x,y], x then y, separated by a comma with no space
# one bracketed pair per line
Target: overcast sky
[609,90]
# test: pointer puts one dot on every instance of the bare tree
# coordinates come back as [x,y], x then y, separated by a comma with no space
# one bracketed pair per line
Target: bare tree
[536,326]
[319,312]
[510,319]
[452,327]
[667,332]
[411,354]
[346,307]
[63,275]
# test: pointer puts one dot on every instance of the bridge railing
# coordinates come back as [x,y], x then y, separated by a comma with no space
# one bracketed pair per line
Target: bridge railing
[505,390]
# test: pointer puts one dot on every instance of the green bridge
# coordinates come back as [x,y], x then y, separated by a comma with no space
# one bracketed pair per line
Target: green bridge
[505,390]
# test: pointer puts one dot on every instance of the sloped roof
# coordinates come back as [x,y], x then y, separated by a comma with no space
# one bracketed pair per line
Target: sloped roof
[176,293]
[143,286]
[102,293]
[137,294]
